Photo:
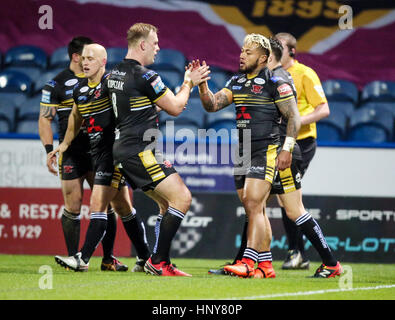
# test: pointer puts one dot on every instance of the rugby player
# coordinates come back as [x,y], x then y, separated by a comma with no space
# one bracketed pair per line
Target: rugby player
[136,92]
[75,165]
[92,104]
[313,106]
[287,185]
[259,104]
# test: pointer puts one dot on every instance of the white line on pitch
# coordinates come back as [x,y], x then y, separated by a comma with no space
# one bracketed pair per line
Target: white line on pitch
[309,293]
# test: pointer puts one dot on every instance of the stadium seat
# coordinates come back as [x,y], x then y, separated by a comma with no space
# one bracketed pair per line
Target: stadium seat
[332,128]
[379,91]
[14,81]
[27,125]
[26,56]
[179,131]
[219,78]
[114,56]
[17,98]
[32,72]
[380,105]
[9,111]
[31,105]
[5,125]
[59,58]
[371,125]
[346,107]
[340,90]
[44,78]
[169,59]
[171,79]
[193,113]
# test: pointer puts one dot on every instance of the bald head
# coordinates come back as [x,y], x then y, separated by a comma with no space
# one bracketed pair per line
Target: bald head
[94,58]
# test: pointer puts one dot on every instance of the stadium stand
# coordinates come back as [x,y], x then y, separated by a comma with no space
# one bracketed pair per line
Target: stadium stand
[371,124]
[16,82]
[340,90]
[5,125]
[379,91]
[332,128]
[59,58]
[44,78]
[114,56]
[169,59]
[171,78]
[8,111]
[343,106]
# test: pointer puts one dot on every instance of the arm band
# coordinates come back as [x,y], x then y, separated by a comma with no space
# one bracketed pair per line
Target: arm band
[289,144]
[48,148]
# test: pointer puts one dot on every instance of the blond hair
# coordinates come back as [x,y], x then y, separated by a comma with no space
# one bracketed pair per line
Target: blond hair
[262,42]
[138,31]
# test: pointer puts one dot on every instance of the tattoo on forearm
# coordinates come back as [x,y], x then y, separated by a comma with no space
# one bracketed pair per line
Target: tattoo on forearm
[47,112]
[214,102]
[290,111]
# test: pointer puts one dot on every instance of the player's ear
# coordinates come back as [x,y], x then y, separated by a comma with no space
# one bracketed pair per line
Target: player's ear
[142,45]
[75,57]
[263,59]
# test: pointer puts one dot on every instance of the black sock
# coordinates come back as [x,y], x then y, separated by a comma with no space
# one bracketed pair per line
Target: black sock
[313,232]
[135,229]
[243,244]
[95,233]
[71,231]
[168,228]
[109,238]
[291,231]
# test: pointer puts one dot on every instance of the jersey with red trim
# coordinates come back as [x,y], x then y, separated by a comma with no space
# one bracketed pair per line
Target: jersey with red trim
[134,90]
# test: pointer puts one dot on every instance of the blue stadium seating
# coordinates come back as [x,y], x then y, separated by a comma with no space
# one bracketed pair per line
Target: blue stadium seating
[179,131]
[26,56]
[379,91]
[114,56]
[31,72]
[14,81]
[45,77]
[27,125]
[369,124]
[5,125]
[390,106]
[219,78]
[171,79]
[9,111]
[346,107]
[226,124]
[193,113]
[340,90]
[59,58]
[332,128]
[169,59]
[31,105]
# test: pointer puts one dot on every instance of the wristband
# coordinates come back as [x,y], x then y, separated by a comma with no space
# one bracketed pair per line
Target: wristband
[289,144]
[48,148]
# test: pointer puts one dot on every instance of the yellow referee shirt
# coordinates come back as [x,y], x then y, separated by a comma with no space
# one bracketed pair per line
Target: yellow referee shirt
[310,95]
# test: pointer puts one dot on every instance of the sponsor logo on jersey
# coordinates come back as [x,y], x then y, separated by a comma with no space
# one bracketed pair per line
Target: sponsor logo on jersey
[46,96]
[284,90]
[243,114]
[259,81]
[158,85]
[241,80]
[275,79]
[84,89]
[71,82]
[149,74]
[236,87]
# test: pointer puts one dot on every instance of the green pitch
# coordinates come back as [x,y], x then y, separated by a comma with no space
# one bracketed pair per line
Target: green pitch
[20,278]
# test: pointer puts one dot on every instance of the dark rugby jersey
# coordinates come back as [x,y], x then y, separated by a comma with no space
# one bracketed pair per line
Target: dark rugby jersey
[283,76]
[255,99]
[58,93]
[134,90]
[95,107]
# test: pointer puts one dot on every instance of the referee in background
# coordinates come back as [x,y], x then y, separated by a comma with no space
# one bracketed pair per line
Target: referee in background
[313,106]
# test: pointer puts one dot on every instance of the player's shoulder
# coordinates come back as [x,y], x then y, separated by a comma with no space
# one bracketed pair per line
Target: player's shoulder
[238,77]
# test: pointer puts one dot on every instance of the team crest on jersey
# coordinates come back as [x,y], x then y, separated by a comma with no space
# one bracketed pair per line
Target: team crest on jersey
[248,83]
[256,89]
[97,93]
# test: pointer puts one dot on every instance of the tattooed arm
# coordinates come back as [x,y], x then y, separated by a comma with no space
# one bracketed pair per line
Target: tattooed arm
[214,102]
[47,114]
[289,110]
